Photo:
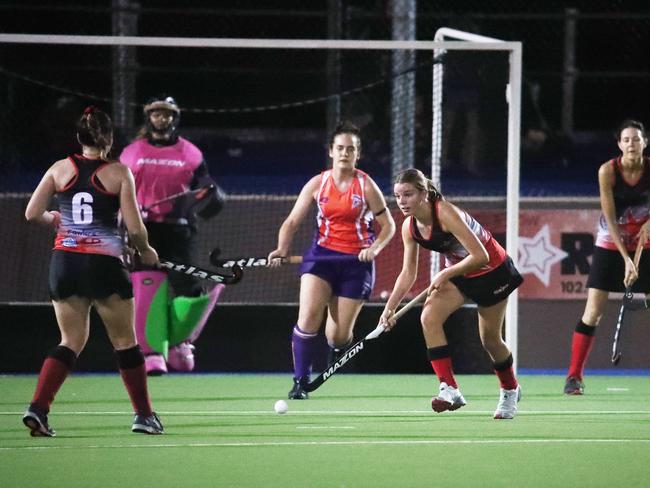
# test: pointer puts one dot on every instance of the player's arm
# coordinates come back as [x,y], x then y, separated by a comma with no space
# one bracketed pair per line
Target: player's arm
[131,216]
[451,221]
[292,222]
[606,182]
[377,205]
[405,279]
[606,189]
[36,210]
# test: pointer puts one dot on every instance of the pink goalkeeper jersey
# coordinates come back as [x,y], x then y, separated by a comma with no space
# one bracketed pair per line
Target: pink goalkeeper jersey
[344,219]
[161,172]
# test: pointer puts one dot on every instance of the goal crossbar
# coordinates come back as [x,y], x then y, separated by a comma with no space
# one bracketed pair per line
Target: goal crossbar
[210,42]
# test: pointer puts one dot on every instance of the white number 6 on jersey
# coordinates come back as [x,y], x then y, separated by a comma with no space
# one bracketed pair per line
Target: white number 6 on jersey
[82,211]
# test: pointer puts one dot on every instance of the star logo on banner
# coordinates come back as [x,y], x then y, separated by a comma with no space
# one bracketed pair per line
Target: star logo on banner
[537,255]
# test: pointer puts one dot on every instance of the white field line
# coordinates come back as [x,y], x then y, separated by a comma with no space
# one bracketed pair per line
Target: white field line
[240,413]
[360,443]
[342,427]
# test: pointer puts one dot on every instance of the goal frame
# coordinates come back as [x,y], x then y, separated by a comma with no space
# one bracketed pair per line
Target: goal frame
[467,42]
[513,99]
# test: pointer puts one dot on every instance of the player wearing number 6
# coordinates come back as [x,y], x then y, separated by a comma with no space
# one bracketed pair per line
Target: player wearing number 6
[348,201]
[476,267]
[624,184]
[86,267]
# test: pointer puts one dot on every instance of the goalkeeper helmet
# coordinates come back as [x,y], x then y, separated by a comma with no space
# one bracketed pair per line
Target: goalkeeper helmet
[162,103]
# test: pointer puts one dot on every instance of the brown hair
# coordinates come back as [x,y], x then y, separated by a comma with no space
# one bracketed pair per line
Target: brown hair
[416,178]
[346,127]
[95,129]
[630,124]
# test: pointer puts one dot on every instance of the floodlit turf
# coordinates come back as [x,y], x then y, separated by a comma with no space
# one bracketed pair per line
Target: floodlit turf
[355,431]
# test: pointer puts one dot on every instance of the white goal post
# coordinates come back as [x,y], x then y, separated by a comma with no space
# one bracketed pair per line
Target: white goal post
[465,42]
[513,98]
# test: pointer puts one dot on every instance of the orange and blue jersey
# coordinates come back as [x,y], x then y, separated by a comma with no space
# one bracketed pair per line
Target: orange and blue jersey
[344,220]
[88,212]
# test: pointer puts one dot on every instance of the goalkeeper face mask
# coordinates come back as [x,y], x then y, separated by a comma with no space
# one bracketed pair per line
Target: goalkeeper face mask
[162,116]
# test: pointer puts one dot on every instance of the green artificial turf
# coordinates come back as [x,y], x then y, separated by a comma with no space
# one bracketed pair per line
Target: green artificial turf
[355,431]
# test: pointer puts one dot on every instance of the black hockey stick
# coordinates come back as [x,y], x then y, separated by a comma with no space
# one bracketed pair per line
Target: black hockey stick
[199,194]
[626,304]
[228,276]
[261,262]
[358,347]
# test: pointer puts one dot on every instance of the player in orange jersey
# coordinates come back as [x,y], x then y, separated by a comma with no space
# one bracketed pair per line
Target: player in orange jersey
[338,271]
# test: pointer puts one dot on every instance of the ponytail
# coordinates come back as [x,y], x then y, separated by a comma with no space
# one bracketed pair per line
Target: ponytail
[95,129]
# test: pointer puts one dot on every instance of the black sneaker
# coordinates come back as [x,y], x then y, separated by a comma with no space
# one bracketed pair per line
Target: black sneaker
[574,386]
[36,422]
[298,392]
[147,425]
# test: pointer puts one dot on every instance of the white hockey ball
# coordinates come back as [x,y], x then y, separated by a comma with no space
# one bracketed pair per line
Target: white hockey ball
[281,407]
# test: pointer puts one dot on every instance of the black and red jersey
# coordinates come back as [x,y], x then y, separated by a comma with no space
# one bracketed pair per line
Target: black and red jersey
[632,207]
[88,212]
[450,247]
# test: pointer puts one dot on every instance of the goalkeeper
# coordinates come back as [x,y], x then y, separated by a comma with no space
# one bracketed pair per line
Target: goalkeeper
[171,310]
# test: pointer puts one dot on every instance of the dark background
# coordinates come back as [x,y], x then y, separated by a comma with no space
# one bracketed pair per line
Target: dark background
[43,88]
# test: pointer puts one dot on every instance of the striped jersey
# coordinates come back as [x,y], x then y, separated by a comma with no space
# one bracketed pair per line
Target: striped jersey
[448,245]
[88,212]
[344,221]
[632,207]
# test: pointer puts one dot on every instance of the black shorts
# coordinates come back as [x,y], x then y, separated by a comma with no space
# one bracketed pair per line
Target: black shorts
[492,287]
[87,275]
[608,270]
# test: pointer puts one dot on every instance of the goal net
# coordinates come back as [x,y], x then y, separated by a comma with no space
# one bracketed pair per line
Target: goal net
[261,111]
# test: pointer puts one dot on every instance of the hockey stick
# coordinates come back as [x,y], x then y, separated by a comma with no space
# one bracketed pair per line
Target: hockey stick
[262,262]
[358,347]
[626,304]
[228,276]
[199,193]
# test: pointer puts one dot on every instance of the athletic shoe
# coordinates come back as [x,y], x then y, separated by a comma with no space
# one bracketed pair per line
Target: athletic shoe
[147,425]
[574,386]
[155,364]
[298,392]
[181,357]
[507,406]
[36,422]
[449,398]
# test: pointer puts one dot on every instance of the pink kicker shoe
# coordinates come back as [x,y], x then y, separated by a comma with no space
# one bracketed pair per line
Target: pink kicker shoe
[181,357]
[155,365]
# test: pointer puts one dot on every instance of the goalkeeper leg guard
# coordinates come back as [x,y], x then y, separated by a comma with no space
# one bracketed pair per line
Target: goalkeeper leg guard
[188,317]
[151,293]
[214,296]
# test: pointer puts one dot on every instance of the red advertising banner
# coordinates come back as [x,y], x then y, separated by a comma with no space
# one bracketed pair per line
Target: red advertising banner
[555,248]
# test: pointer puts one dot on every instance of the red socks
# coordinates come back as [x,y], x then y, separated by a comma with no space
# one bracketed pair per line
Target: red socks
[581,345]
[131,365]
[506,374]
[54,371]
[441,364]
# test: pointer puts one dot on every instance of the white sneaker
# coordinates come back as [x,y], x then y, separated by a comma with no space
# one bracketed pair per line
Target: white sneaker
[507,406]
[449,398]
